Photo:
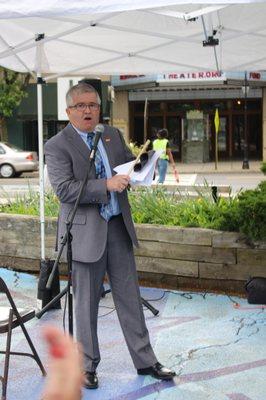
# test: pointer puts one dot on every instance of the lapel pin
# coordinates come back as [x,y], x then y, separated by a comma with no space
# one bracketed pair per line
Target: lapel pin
[107,139]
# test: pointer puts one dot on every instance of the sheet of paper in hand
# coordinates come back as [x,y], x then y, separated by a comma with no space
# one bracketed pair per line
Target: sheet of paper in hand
[144,177]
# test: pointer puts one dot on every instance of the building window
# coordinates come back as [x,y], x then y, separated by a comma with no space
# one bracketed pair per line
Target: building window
[139,107]
[155,107]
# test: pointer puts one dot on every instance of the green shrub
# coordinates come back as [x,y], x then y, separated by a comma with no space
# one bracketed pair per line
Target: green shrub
[244,213]
[263,167]
[28,204]
[252,212]
[156,206]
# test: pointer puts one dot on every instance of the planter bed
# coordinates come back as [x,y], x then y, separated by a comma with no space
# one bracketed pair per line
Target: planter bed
[167,257]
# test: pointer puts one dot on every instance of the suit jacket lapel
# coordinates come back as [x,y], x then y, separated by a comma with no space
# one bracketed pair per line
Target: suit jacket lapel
[107,143]
[76,141]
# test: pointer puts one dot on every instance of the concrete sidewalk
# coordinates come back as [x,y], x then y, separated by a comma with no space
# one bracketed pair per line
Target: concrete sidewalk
[223,167]
[215,343]
[228,173]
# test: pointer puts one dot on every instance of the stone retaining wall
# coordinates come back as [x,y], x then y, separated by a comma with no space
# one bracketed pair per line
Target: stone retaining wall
[168,256]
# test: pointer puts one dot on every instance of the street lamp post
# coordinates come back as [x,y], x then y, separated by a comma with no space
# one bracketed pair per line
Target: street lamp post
[245,89]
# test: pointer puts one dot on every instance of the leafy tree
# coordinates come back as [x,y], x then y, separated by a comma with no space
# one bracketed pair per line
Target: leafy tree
[12,91]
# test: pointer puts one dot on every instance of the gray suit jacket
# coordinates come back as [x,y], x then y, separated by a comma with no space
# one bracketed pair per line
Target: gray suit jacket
[67,158]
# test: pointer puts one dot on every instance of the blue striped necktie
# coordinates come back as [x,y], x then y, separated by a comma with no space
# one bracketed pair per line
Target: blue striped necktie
[106,210]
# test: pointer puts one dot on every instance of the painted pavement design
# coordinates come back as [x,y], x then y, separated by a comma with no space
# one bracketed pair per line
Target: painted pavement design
[218,351]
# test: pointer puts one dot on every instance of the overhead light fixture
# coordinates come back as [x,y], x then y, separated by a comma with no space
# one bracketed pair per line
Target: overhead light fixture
[192,19]
[211,41]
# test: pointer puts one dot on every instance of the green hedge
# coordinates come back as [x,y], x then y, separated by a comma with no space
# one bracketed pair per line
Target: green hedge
[251,212]
[263,167]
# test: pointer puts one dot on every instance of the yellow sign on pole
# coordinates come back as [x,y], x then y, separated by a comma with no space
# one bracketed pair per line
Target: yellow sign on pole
[217,125]
[217,120]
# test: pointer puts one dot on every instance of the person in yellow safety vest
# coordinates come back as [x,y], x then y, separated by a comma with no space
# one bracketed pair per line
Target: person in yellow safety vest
[162,143]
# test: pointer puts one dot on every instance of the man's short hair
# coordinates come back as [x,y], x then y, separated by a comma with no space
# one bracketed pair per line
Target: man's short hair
[78,89]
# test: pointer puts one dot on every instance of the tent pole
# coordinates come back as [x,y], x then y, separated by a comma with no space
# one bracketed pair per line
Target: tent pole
[41,162]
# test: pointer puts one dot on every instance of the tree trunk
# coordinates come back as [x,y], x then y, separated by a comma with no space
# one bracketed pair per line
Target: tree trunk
[3,130]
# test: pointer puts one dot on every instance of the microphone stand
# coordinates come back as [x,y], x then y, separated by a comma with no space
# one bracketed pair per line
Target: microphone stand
[67,240]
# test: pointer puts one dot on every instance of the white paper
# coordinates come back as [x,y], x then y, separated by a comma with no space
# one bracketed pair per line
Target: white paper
[143,177]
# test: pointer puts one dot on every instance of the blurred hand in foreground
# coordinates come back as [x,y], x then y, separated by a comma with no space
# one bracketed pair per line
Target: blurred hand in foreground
[65,376]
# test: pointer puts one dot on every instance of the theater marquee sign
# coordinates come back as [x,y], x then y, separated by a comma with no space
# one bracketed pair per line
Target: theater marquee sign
[179,77]
[195,75]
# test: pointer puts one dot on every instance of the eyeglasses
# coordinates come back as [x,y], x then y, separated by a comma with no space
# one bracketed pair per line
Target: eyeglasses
[84,106]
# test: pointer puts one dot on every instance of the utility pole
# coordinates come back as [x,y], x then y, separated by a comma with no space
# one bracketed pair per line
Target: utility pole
[145,120]
[245,164]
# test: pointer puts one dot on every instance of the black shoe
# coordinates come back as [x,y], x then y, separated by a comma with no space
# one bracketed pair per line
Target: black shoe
[158,371]
[90,380]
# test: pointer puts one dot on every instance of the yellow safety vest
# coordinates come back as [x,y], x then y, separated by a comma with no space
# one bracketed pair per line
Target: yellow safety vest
[161,144]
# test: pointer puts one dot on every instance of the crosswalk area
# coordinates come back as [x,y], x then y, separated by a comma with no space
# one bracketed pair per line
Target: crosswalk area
[184,179]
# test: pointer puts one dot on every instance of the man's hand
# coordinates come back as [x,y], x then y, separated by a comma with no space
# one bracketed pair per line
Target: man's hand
[118,183]
[176,175]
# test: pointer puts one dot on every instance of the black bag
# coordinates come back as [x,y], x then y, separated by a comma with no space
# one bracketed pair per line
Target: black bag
[44,295]
[256,290]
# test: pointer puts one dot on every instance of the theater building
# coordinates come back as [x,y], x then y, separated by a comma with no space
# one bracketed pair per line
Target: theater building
[186,103]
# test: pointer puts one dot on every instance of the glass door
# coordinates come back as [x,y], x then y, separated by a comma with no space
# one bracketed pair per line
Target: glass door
[238,135]
[173,125]
[254,136]
[154,125]
[222,137]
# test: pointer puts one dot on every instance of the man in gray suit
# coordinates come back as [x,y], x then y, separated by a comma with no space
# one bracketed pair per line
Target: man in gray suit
[103,231]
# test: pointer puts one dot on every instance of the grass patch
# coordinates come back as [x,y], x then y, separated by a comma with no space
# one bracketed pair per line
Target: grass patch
[29,204]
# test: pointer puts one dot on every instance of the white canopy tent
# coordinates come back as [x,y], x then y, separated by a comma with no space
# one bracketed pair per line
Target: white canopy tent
[131,37]
[54,38]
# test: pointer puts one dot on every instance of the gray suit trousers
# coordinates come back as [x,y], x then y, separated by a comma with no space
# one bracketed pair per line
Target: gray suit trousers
[119,263]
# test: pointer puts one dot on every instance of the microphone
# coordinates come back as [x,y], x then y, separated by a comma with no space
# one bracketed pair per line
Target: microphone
[97,135]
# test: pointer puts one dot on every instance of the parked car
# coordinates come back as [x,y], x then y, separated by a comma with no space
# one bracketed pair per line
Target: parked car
[14,161]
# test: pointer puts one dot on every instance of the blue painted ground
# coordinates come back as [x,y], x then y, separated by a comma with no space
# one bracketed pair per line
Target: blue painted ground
[217,350]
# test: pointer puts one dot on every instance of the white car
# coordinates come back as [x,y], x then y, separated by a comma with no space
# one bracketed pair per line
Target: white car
[14,161]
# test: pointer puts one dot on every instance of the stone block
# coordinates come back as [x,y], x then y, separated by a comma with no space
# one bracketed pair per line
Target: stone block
[186,252]
[167,266]
[174,234]
[17,250]
[252,257]
[229,240]
[229,271]
[20,222]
